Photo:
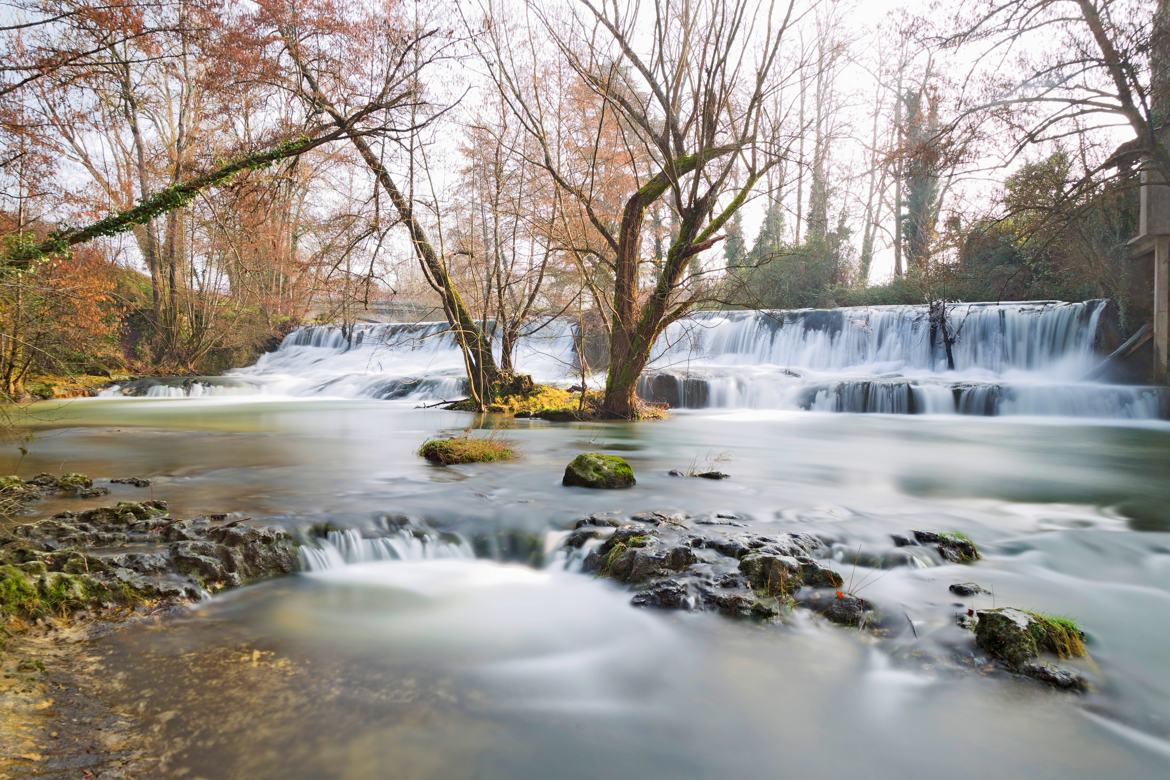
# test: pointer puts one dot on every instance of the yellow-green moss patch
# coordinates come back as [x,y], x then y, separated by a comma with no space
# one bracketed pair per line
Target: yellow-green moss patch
[466,449]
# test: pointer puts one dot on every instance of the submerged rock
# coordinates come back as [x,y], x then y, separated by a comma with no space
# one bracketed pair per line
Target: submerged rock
[16,493]
[137,482]
[594,470]
[1064,679]
[842,608]
[952,546]
[699,475]
[966,589]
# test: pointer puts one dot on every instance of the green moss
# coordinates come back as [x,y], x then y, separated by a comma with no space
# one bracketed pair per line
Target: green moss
[956,536]
[1058,635]
[1018,636]
[25,249]
[18,594]
[595,470]
[466,449]
[611,558]
[73,482]
[58,594]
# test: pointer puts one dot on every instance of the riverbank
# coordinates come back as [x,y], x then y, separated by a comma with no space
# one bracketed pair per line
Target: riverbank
[77,575]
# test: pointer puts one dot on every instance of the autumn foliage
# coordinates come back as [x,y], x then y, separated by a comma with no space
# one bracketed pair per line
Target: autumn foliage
[61,317]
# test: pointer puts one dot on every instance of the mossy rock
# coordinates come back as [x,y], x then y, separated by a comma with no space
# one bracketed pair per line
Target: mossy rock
[16,489]
[1016,636]
[594,470]
[782,575]
[465,449]
[56,594]
[953,546]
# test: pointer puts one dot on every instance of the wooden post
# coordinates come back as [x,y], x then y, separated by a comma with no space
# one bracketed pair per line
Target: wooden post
[1161,307]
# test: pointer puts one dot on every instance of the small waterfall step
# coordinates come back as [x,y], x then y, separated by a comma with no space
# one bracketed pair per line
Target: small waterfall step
[1025,358]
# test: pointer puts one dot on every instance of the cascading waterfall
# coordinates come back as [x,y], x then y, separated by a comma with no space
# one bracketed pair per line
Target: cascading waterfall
[991,338]
[395,360]
[342,547]
[1020,358]
[1016,358]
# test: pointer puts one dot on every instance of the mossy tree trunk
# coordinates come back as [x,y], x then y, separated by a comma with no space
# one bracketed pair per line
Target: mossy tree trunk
[636,325]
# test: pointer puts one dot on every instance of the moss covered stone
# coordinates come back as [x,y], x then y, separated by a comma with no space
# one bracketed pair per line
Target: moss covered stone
[953,546]
[465,449]
[128,555]
[57,594]
[782,575]
[1016,636]
[594,470]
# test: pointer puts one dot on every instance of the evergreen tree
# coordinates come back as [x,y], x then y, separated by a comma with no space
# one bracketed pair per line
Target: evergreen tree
[735,247]
[770,239]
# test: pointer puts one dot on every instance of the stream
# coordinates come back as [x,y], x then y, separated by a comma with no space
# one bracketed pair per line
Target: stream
[492,667]
[485,653]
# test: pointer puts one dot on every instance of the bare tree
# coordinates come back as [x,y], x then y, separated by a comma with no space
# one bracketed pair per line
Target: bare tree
[342,55]
[1087,65]
[688,93]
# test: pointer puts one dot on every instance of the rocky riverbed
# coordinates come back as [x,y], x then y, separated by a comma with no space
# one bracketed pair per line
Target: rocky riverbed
[76,575]
[712,562]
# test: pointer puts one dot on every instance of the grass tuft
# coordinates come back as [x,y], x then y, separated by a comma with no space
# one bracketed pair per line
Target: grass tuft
[466,449]
[1059,635]
[554,403]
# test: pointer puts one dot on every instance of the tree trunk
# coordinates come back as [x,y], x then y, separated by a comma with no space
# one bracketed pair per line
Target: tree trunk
[633,329]
[508,338]
[480,364]
[627,360]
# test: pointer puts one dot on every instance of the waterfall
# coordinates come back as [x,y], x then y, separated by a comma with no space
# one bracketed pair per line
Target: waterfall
[1025,358]
[996,338]
[1009,359]
[342,547]
[396,360]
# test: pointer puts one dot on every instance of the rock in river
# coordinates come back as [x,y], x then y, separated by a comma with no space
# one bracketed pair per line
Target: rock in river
[594,470]
[1018,638]
[680,562]
[131,553]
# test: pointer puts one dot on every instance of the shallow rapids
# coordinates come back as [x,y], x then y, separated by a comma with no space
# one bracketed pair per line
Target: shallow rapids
[473,652]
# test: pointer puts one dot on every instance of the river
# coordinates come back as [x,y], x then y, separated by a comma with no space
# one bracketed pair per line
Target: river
[489,658]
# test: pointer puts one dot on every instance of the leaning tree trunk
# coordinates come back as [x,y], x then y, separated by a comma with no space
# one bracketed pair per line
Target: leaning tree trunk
[480,363]
[634,328]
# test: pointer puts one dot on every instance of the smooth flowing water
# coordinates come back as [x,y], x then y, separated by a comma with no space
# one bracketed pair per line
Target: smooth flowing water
[476,653]
[1032,358]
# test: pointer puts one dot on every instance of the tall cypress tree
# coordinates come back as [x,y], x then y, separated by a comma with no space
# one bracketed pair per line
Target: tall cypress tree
[735,248]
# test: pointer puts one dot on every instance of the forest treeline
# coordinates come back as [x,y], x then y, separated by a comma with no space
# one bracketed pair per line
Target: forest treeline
[185,180]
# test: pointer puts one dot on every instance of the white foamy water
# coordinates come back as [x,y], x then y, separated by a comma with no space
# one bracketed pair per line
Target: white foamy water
[394,360]
[346,547]
[1010,359]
